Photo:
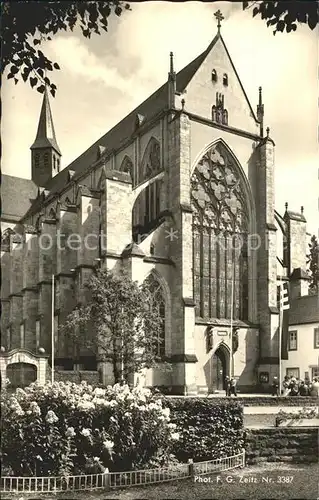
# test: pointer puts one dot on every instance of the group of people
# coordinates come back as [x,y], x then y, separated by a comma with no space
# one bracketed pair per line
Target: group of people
[293,386]
[230,386]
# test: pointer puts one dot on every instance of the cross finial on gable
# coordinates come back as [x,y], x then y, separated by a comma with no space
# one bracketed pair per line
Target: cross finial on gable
[219,16]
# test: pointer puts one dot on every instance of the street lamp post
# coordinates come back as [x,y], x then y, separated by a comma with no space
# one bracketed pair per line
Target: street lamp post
[52,330]
[53,326]
[231,322]
[122,355]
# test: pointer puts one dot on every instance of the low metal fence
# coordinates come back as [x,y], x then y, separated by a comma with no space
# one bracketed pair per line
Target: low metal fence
[109,480]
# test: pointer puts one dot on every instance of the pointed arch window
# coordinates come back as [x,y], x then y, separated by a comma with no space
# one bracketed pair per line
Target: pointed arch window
[52,214]
[214,113]
[46,160]
[225,117]
[127,166]
[146,210]
[225,80]
[22,335]
[220,232]
[157,301]
[151,163]
[36,160]
[9,338]
[214,75]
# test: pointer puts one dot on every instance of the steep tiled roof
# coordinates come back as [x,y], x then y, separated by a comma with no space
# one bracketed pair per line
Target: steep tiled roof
[16,196]
[304,310]
[299,274]
[294,216]
[115,137]
[119,134]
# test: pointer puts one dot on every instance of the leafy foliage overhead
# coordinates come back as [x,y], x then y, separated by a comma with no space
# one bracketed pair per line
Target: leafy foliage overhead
[26,25]
[313,262]
[285,14]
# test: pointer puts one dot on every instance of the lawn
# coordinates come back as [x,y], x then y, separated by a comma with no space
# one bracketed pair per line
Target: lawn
[271,481]
[260,420]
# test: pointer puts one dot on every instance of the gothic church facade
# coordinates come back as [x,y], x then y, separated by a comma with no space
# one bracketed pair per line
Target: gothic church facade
[181,192]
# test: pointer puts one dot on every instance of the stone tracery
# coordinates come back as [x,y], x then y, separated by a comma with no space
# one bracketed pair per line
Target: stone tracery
[158,302]
[220,229]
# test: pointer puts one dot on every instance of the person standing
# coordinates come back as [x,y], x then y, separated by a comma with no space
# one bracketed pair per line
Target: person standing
[227,386]
[303,389]
[314,389]
[233,383]
[294,389]
[286,385]
[275,387]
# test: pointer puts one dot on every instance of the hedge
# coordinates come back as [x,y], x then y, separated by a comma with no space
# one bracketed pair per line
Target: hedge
[206,430]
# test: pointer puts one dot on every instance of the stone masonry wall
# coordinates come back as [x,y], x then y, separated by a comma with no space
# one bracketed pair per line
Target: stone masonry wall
[91,377]
[181,251]
[299,445]
[267,267]
[297,237]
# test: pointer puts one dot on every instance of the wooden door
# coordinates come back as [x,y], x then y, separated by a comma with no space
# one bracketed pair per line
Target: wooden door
[218,371]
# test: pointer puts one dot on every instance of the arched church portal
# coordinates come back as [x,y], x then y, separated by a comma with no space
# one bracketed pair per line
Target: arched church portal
[219,368]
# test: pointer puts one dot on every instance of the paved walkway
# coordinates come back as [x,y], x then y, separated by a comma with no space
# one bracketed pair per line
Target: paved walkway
[255,395]
[267,410]
[223,395]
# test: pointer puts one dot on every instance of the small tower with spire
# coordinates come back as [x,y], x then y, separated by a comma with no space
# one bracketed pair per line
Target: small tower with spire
[45,152]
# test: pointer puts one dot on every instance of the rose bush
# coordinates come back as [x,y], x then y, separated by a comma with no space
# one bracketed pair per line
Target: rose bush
[68,428]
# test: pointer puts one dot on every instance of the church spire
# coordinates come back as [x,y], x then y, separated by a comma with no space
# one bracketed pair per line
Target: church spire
[45,152]
[46,133]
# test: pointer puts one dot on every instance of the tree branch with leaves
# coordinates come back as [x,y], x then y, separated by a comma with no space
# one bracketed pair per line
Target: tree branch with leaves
[27,24]
[124,327]
[313,263]
[286,14]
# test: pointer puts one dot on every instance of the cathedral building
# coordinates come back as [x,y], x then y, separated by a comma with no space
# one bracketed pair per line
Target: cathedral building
[179,193]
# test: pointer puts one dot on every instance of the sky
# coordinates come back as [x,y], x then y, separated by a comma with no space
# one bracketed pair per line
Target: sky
[104,78]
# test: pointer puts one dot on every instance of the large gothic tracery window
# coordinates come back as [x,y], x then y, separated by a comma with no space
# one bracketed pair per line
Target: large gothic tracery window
[220,231]
[157,302]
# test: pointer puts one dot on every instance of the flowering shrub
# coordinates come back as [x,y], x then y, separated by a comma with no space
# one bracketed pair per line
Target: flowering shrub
[206,430]
[304,413]
[68,428]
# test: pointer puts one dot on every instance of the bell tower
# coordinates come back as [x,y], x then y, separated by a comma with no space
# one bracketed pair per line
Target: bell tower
[45,152]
